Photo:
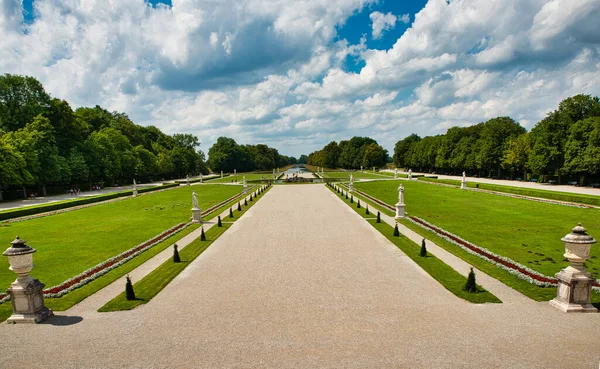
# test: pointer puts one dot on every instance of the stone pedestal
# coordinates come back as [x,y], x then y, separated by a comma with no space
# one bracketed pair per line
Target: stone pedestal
[463,185]
[135,192]
[351,187]
[196,215]
[245,189]
[400,208]
[28,302]
[574,288]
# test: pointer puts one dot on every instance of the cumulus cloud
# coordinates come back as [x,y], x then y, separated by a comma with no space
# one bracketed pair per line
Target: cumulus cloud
[382,22]
[265,71]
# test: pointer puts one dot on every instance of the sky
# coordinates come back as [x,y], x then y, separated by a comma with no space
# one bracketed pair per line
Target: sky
[296,75]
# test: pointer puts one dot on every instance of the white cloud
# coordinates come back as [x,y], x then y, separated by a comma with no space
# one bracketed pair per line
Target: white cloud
[265,71]
[382,22]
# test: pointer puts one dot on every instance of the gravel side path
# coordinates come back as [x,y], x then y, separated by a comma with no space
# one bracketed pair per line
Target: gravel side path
[301,281]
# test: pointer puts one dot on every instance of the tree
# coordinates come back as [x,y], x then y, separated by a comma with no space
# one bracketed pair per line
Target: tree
[79,169]
[374,156]
[402,148]
[494,140]
[582,156]
[331,155]
[303,159]
[471,285]
[223,155]
[517,153]
[13,167]
[21,100]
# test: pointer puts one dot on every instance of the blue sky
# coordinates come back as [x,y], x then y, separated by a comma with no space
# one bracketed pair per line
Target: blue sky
[297,75]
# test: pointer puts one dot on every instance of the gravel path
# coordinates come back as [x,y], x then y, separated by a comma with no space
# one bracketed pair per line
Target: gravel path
[301,281]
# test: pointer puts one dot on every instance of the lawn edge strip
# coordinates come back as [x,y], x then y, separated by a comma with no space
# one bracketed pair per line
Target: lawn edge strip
[532,194]
[39,211]
[168,270]
[435,267]
[107,265]
[523,286]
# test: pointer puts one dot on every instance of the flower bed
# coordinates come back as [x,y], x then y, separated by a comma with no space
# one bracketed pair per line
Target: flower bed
[116,261]
[502,262]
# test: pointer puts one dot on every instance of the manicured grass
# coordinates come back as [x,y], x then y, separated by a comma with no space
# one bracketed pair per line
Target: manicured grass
[153,283]
[357,175]
[240,177]
[528,232]
[544,194]
[72,242]
[440,271]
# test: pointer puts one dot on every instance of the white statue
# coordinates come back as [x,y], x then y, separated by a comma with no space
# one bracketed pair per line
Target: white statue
[201,177]
[463,183]
[396,173]
[194,200]
[245,185]
[221,174]
[409,173]
[401,194]
[361,168]
[235,172]
[464,176]
[187,179]
[373,170]
[134,185]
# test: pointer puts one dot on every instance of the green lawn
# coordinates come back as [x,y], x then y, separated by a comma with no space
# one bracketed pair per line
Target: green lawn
[357,175]
[532,192]
[526,231]
[155,281]
[440,271]
[71,242]
[239,177]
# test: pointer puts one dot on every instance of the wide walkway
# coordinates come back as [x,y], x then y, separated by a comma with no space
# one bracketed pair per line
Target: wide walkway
[301,281]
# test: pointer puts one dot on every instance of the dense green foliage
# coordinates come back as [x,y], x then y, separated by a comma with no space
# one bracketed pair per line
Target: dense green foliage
[44,142]
[227,155]
[352,154]
[566,142]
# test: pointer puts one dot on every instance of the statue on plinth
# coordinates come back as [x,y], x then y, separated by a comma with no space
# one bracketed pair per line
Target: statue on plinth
[396,173]
[409,173]
[401,194]
[201,177]
[463,183]
[135,190]
[194,200]
[187,179]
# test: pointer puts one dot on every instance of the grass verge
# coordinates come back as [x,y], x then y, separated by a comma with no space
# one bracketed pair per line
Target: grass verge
[436,268]
[153,283]
[532,291]
[543,194]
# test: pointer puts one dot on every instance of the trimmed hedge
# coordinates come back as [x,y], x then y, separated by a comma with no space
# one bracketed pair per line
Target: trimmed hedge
[31,210]
[551,195]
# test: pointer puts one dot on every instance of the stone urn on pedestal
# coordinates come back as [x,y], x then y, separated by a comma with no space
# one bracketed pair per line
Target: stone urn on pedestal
[26,292]
[574,282]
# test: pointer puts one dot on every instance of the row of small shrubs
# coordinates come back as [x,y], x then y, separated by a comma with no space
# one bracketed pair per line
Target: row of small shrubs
[550,195]
[470,285]
[31,210]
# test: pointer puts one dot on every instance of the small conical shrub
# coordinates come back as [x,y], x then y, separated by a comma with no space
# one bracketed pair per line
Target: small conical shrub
[358,204]
[176,258]
[251,197]
[239,206]
[378,217]
[219,222]
[396,231]
[129,293]
[202,235]
[351,199]
[471,285]
[230,213]
[423,252]
[346,195]
[367,210]
[245,202]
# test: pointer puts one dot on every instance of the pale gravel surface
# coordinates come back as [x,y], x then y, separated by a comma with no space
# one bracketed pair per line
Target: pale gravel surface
[301,281]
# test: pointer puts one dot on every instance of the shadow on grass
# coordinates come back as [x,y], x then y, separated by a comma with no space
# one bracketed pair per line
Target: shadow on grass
[62,320]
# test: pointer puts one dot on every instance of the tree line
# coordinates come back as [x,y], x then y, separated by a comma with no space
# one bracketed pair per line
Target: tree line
[44,142]
[565,144]
[227,155]
[355,153]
